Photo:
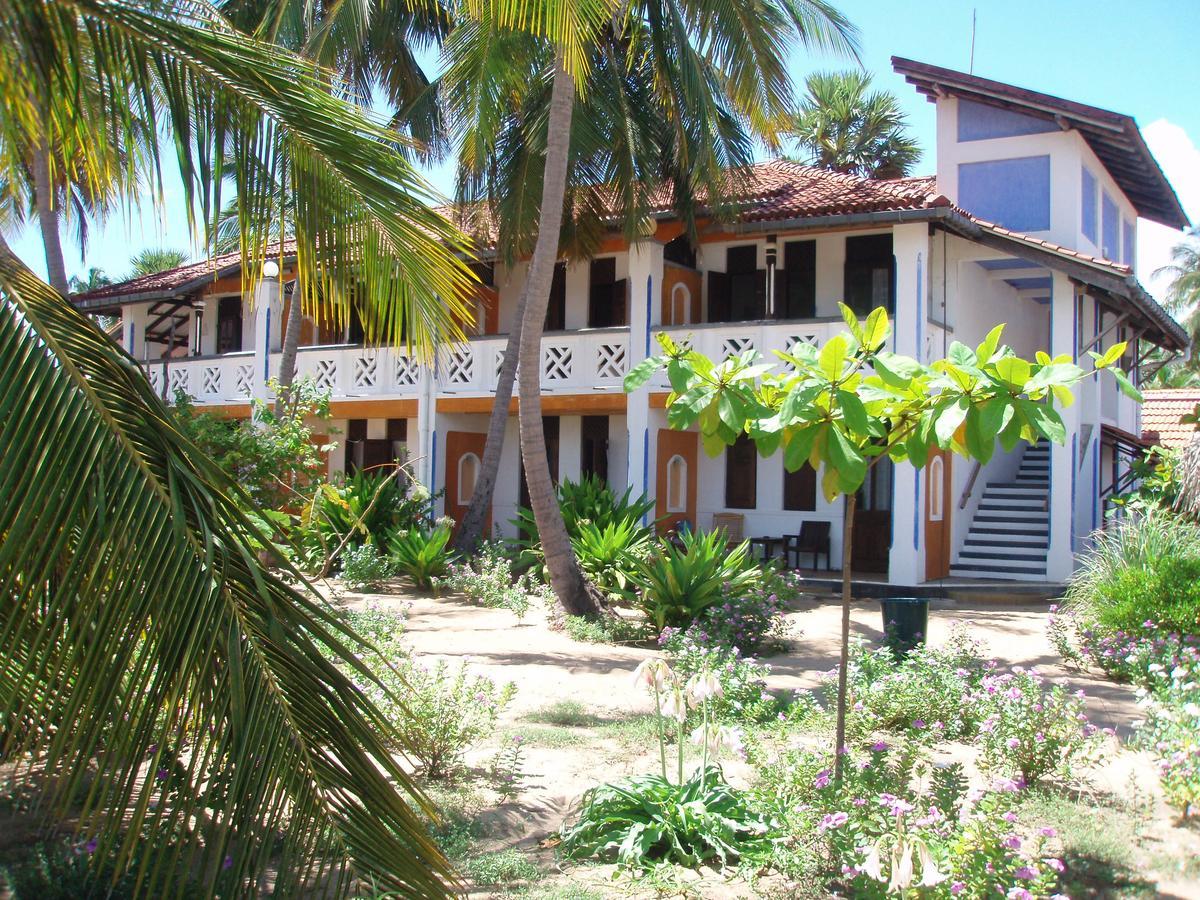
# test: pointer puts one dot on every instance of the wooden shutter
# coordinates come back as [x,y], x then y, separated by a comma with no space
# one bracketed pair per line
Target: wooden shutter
[741,474]
[759,309]
[556,309]
[718,297]
[800,489]
[799,281]
[620,303]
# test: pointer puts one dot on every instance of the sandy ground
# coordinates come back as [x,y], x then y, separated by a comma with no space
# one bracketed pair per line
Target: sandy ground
[548,667]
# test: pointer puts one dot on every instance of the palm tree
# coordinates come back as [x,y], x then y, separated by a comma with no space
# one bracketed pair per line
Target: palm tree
[1183,294]
[95,279]
[156,259]
[845,126]
[188,708]
[739,56]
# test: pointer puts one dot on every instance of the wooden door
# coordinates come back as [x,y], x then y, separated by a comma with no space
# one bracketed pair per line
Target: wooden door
[464,460]
[937,514]
[675,479]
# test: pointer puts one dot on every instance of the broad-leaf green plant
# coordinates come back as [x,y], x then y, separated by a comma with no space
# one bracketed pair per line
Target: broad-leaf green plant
[681,581]
[423,554]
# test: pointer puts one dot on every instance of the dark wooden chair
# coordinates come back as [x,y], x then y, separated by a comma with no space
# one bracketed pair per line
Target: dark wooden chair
[813,538]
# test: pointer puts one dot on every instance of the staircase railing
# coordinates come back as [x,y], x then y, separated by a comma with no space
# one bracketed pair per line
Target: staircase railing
[970,487]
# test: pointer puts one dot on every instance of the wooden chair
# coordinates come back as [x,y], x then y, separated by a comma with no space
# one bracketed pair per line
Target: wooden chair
[733,524]
[814,538]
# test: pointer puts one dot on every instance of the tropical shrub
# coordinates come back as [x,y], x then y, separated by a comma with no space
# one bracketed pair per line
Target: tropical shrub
[1030,730]
[929,690]
[744,696]
[1146,568]
[364,568]
[448,711]
[647,819]
[897,824]
[67,871]
[276,458]
[488,579]
[750,618]
[422,554]
[439,711]
[608,629]
[609,554]
[679,583]
[364,508]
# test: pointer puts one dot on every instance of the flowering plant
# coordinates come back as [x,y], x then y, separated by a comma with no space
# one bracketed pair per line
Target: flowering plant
[488,579]
[744,696]
[1031,730]
[643,820]
[1170,699]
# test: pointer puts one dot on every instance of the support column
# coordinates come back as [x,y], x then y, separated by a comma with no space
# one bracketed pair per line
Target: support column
[268,324]
[1064,471]
[645,283]
[910,246]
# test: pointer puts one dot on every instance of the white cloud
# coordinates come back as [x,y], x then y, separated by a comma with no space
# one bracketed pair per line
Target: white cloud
[1179,157]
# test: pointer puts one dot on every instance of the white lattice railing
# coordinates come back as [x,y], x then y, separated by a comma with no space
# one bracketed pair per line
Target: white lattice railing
[358,371]
[718,341]
[217,379]
[570,362]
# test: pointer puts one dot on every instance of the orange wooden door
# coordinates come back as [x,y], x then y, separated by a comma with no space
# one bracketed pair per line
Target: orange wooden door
[675,479]
[937,514]
[464,460]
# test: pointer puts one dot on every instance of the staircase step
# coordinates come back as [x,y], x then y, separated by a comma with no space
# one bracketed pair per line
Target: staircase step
[989,510]
[981,538]
[1013,501]
[1031,484]
[1008,554]
[991,569]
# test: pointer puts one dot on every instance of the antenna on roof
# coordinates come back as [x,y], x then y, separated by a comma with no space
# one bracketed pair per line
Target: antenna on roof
[971,70]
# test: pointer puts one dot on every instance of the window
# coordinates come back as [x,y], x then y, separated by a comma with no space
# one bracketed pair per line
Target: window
[1014,193]
[468,474]
[1110,228]
[870,273]
[1087,208]
[606,295]
[796,285]
[800,489]
[1127,244]
[747,284]
[593,453]
[356,439]
[676,484]
[681,305]
[680,251]
[556,309]
[937,486]
[229,325]
[397,438]
[982,121]
[741,474]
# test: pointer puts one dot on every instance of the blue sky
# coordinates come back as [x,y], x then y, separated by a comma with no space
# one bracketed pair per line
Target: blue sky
[1135,58]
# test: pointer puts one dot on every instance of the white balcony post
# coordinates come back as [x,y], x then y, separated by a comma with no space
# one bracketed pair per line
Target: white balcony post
[645,284]
[268,325]
[1064,469]
[910,245]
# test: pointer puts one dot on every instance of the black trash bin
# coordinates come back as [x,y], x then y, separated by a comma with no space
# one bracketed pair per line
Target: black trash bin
[905,622]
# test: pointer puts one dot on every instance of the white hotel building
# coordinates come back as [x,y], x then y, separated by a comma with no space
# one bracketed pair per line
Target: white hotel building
[1030,219]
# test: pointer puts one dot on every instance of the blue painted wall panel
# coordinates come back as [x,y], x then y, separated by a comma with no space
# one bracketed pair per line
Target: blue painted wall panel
[1087,211]
[1110,225]
[980,122]
[1127,248]
[1014,193]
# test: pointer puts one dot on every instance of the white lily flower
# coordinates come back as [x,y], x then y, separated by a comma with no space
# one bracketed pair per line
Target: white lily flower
[703,685]
[872,864]
[902,867]
[930,875]
[673,705]
[651,674]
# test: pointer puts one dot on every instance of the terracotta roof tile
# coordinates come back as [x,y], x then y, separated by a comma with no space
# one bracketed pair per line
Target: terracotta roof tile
[1161,412]
[1116,267]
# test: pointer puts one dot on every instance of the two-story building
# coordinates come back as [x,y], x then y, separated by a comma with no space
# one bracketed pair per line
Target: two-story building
[1030,219]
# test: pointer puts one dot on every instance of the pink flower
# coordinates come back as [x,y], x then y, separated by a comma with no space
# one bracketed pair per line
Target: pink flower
[1011,842]
[1048,832]
[1013,743]
[833,820]
[1025,873]
[1056,864]
[957,888]
[822,779]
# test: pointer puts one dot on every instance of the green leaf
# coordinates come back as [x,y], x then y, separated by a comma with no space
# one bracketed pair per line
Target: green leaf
[1061,374]
[854,413]
[833,357]
[850,317]
[895,369]
[877,329]
[950,418]
[642,373]
[1111,355]
[1013,370]
[961,355]
[985,351]
[1044,419]
[1127,387]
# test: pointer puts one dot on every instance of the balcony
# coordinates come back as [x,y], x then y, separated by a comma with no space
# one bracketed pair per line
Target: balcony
[719,340]
[572,361]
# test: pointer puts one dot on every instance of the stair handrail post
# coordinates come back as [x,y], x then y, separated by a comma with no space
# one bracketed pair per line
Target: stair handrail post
[970,487]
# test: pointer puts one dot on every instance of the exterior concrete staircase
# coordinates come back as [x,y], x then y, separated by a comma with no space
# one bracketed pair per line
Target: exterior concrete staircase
[1010,534]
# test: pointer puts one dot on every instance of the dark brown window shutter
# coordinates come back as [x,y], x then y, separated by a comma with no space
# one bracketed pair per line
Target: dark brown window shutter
[741,474]
[718,297]
[800,489]
[556,309]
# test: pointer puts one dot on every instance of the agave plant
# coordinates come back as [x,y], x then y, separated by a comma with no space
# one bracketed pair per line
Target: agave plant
[681,582]
[610,554]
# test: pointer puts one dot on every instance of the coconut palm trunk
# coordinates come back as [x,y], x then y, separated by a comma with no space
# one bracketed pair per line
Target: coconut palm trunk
[566,579]
[56,267]
[287,356]
[470,530]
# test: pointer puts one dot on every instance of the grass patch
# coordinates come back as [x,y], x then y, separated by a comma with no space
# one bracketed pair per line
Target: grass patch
[559,892]
[606,630]
[550,738]
[501,867]
[1099,845]
[567,713]
[637,730]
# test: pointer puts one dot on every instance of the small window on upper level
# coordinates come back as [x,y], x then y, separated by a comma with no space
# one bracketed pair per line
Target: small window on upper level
[1110,228]
[556,308]
[607,307]
[741,474]
[1014,193]
[797,282]
[1127,243]
[869,278]
[981,122]
[229,325]
[681,304]
[1087,207]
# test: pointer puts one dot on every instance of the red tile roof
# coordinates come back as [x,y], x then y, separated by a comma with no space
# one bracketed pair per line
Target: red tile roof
[1161,412]
[1116,267]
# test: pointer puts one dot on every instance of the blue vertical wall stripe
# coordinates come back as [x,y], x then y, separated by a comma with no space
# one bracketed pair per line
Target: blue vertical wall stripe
[649,295]
[267,355]
[920,329]
[1074,480]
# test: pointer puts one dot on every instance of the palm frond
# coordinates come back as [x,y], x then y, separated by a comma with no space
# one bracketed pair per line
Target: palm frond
[175,693]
